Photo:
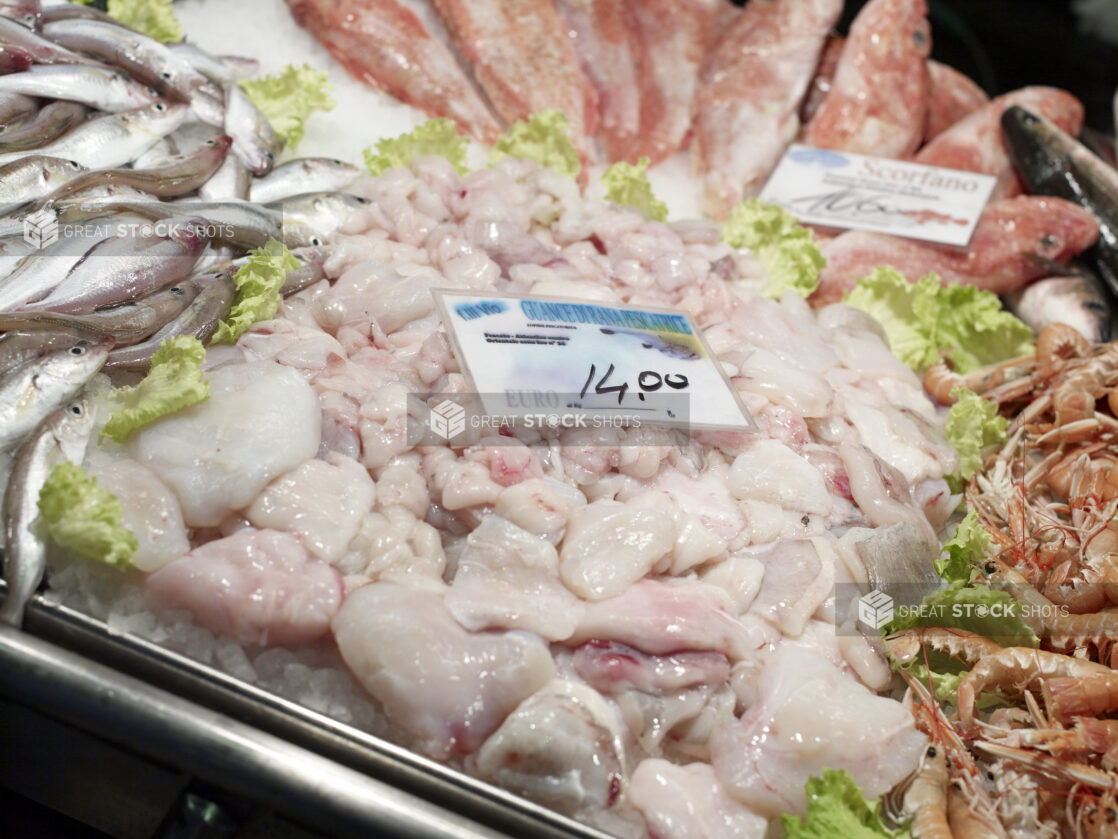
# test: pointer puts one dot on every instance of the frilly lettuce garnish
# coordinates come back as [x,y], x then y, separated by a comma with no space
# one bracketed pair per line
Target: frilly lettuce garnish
[782,245]
[628,185]
[836,807]
[79,514]
[152,17]
[436,136]
[925,319]
[174,382]
[965,551]
[287,98]
[258,284]
[972,427]
[543,139]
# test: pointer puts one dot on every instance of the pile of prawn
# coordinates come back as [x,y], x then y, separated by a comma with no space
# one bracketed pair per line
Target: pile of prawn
[1045,762]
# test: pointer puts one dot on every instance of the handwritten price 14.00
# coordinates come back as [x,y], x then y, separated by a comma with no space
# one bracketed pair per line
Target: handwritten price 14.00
[648,381]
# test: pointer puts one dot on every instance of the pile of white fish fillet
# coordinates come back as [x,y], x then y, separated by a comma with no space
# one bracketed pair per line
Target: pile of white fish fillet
[641,634]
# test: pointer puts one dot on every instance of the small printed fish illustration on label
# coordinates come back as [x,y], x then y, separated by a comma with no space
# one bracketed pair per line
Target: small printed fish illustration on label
[672,349]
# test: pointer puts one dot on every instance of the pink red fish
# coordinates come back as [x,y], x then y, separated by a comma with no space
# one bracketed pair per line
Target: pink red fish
[607,50]
[824,77]
[674,38]
[385,45]
[524,60]
[952,96]
[1015,241]
[750,96]
[879,96]
[976,143]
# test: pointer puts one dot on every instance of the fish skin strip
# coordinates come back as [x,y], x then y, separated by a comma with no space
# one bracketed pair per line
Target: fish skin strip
[748,104]
[879,96]
[386,45]
[524,60]
[674,37]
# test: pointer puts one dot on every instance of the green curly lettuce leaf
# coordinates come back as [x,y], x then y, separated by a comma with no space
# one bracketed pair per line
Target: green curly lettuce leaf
[258,284]
[973,426]
[152,17]
[628,185]
[782,245]
[836,808]
[543,139]
[77,513]
[287,98]
[174,382]
[436,136]
[924,320]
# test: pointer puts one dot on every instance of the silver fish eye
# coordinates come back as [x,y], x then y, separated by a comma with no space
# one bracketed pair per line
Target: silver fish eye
[269,155]
[165,75]
[78,349]
[176,290]
[315,241]
[159,106]
[76,409]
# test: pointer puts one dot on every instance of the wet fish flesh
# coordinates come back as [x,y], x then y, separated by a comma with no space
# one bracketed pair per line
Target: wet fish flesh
[28,13]
[232,181]
[62,436]
[43,51]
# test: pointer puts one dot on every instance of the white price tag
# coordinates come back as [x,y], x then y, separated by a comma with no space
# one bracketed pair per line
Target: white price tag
[532,356]
[838,189]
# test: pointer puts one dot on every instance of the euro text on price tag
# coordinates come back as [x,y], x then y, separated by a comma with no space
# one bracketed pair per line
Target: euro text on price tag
[839,189]
[525,355]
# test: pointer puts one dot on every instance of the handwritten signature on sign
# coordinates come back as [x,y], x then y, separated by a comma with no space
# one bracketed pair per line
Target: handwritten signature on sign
[852,203]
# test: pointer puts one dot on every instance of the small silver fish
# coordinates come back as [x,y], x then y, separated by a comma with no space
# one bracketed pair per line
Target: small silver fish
[223,70]
[15,107]
[33,177]
[143,58]
[231,181]
[125,267]
[41,271]
[51,122]
[302,176]
[652,341]
[114,139]
[254,140]
[316,215]
[30,392]
[28,13]
[126,324]
[199,320]
[1078,300]
[60,437]
[98,87]
[42,50]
